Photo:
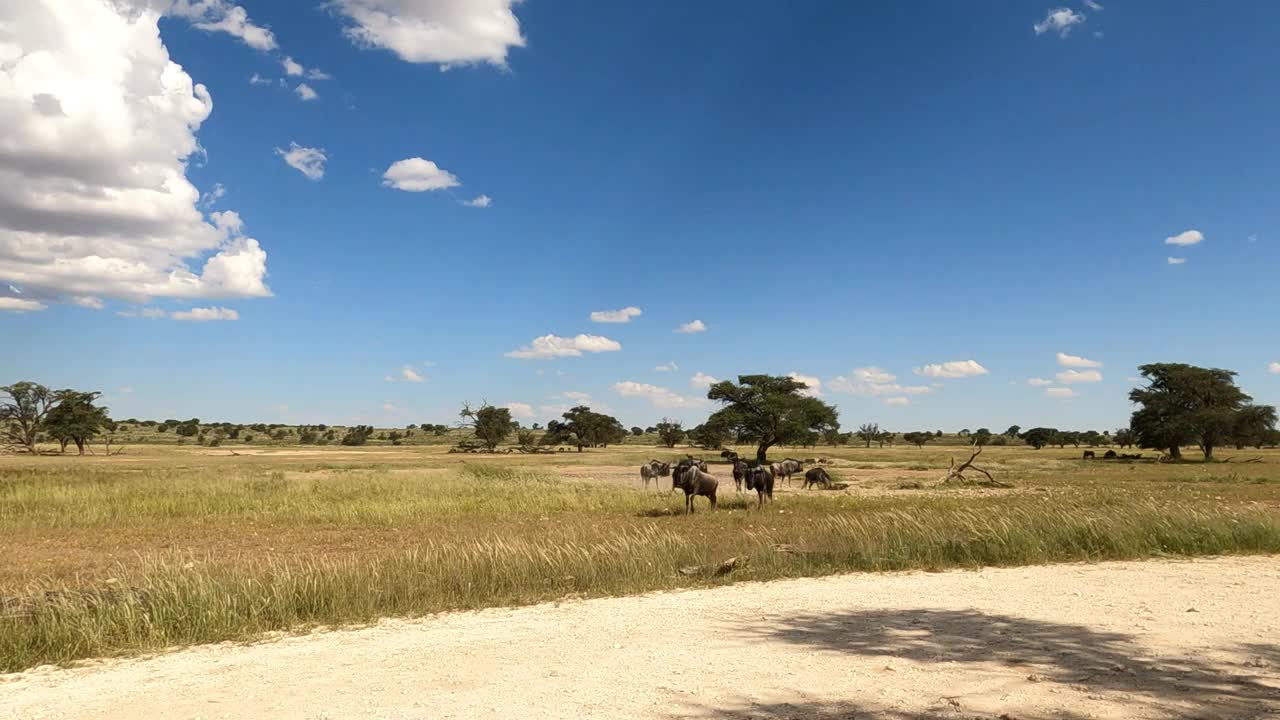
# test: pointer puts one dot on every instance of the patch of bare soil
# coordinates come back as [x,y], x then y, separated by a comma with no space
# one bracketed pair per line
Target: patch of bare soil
[1144,641]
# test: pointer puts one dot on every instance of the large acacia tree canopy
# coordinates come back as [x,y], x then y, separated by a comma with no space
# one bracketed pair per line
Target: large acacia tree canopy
[770,410]
[1184,404]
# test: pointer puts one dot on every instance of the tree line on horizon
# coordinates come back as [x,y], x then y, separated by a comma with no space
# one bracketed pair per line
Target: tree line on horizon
[1180,406]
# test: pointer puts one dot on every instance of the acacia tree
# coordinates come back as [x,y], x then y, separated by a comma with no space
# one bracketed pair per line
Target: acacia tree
[75,418]
[1039,437]
[582,427]
[670,432]
[491,424]
[1184,404]
[22,416]
[981,436]
[769,410]
[868,432]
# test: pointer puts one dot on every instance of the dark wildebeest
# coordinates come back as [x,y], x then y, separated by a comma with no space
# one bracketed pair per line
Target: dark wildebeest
[786,469]
[760,479]
[653,470]
[729,455]
[1111,455]
[817,476]
[739,473]
[694,481]
[1088,455]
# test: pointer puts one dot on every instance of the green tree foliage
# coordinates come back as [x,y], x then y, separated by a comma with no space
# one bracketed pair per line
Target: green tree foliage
[187,429]
[886,437]
[583,427]
[22,415]
[919,439]
[1184,404]
[867,433]
[1012,432]
[358,435]
[1252,424]
[75,418]
[980,437]
[712,434]
[769,410]
[1039,437]
[670,432]
[637,431]
[1124,437]
[491,424]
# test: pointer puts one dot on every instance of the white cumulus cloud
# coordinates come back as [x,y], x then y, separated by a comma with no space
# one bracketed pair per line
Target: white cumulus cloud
[667,367]
[952,369]
[205,314]
[874,382]
[702,381]
[408,374]
[554,346]
[1059,20]
[479,201]
[519,409]
[689,328]
[96,127]
[307,160]
[1077,361]
[659,396]
[1039,382]
[1069,377]
[1059,392]
[417,175]
[1186,237]
[615,316]
[813,386]
[900,401]
[223,16]
[20,305]
[1274,368]
[445,32]
[1177,261]
[306,92]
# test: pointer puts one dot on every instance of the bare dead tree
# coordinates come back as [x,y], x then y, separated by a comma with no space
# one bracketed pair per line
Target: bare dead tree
[956,472]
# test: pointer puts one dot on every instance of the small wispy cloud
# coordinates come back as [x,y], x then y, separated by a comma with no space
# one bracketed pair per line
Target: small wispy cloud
[408,374]
[667,367]
[1177,261]
[1059,20]
[1059,392]
[1068,377]
[1274,368]
[900,401]
[1039,382]
[554,346]
[307,160]
[1092,5]
[952,369]
[479,201]
[519,409]
[208,314]
[615,316]
[702,381]
[689,328]
[306,92]
[1077,361]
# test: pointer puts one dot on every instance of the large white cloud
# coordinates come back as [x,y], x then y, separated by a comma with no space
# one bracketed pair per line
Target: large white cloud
[417,175]
[96,125]
[447,32]
[554,346]
[873,382]
[659,396]
[1077,361]
[952,369]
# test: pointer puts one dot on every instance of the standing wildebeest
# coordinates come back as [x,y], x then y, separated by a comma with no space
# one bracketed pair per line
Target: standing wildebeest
[760,479]
[739,473]
[653,470]
[694,481]
[1088,455]
[786,468]
[817,476]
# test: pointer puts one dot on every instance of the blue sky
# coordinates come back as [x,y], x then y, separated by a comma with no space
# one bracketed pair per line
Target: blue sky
[849,192]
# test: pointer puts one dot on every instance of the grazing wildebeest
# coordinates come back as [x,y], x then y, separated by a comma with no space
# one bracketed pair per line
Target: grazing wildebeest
[1110,455]
[760,479]
[694,481]
[739,473]
[786,468]
[817,476]
[1088,455]
[729,455]
[653,470]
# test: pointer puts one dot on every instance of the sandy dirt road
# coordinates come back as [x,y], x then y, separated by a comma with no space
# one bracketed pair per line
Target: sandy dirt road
[1178,639]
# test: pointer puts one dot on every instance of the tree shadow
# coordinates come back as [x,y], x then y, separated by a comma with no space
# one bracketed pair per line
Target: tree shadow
[804,708]
[1098,661]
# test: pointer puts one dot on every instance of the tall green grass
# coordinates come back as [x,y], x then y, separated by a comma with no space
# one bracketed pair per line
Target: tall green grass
[489,536]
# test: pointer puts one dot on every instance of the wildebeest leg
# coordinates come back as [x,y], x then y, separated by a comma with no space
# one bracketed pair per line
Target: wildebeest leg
[713,500]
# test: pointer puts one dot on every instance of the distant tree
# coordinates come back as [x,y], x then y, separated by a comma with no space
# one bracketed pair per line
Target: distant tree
[582,427]
[1092,438]
[1252,423]
[711,435]
[308,437]
[650,430]
[279,435]
[1039,437]
[22,415]
[884,436]
[187,430]
[637,431]
[536,426]
[1184,404]
[1013,430]
[248,439]
[75,418]
[670,432]
[357,435]
[919,439]
[769,410]
[1124,437]
[1270,438]
[831,436]
[394,435]
[490,424]
[526,438]
[980,437]
[1070,436]
[937,433]
[868,432]
[964,433]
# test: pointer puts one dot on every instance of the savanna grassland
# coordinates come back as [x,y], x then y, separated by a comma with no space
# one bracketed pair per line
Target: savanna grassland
[173,545]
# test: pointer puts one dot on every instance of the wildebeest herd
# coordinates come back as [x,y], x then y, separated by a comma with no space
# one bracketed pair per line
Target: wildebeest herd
[691,476]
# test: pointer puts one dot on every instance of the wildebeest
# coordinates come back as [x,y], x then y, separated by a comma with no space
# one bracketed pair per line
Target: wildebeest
[786,468]
[694,481]
[760,479]
[729,455]
[739,473]
[817,476]
[1110,455]
[1088,455]
[653,470]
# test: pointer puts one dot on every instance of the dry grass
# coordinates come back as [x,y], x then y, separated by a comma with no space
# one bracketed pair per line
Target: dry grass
[176,546]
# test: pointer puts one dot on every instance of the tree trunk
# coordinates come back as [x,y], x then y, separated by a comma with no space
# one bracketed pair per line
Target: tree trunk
[1208,452]
[80,445]
[762,453]
[1175,452]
